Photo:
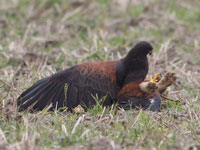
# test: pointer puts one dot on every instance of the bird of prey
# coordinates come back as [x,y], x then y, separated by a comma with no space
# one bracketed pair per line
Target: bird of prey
[111,81]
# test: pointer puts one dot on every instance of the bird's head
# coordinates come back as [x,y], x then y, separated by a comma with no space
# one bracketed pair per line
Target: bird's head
[139,52]
[141,49]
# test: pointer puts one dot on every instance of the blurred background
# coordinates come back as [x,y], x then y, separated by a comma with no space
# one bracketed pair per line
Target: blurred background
[40,37]
[70,32]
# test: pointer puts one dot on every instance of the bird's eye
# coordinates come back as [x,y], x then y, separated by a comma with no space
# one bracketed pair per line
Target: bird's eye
[150,52]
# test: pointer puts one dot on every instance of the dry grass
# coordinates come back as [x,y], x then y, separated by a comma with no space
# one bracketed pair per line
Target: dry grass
[38,38]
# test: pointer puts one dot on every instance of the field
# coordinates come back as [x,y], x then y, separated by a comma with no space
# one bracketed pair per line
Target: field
[40,37]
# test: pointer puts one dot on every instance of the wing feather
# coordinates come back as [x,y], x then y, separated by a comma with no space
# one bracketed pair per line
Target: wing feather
[34,86]
[32,93]
[82,82]
[45,98]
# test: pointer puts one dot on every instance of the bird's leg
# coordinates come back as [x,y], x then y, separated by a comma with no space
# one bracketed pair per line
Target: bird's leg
[150,86]
[168,79]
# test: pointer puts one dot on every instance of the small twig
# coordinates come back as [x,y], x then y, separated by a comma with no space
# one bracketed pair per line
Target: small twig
[77,123]
[104,108]
[2,136]
[64,130]
[137,118]
[172,100]
[8,85]
[85,133]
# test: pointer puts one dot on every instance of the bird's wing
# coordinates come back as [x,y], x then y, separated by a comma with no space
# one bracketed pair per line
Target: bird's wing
[71,87]
[131,96]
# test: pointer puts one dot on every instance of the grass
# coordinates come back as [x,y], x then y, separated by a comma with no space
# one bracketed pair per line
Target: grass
[38,38]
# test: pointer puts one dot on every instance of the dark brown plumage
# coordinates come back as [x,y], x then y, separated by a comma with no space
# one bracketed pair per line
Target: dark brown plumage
[81,83]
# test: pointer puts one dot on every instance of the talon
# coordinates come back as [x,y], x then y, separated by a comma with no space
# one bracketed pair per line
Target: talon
[156,78]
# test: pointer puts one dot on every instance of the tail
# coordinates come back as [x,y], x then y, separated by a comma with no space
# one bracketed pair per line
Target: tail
[41,94]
